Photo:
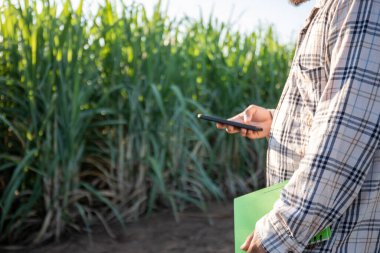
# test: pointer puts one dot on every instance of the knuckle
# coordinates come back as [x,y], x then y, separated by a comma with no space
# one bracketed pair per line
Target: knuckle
[251,107]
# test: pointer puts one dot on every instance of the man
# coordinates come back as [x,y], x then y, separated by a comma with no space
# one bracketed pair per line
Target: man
[324,136]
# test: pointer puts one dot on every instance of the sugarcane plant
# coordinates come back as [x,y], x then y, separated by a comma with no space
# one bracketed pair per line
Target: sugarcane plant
[98,114]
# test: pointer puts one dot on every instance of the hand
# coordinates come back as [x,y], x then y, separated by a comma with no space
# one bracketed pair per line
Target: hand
[252,115]
[252,244]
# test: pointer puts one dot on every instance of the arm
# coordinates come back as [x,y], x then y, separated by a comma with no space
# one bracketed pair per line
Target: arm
[343,139]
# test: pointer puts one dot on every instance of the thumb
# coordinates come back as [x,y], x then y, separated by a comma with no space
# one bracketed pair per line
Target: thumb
[247,117]
[248,114]
[245,245]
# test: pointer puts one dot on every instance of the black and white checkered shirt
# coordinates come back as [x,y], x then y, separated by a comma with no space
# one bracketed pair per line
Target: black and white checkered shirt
[325,135]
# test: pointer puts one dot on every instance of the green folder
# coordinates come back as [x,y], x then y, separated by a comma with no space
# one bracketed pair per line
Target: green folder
[249,208]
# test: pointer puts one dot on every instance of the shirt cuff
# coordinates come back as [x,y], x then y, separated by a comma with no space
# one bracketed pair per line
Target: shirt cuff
[275,236]
[271,112]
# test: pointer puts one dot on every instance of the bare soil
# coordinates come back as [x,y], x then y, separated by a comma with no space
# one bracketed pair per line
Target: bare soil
[196,232]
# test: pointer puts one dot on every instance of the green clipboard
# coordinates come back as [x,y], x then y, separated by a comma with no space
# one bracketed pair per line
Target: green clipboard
[249,208]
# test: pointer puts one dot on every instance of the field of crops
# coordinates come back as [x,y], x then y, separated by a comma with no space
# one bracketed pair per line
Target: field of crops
[98,114]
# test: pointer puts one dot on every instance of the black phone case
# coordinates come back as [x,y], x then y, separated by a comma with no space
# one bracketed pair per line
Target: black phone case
[228,122]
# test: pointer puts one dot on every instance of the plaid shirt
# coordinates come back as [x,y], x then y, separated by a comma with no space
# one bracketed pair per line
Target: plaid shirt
[325,135]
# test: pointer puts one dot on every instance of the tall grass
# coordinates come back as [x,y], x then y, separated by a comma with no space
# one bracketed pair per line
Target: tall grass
[97,114]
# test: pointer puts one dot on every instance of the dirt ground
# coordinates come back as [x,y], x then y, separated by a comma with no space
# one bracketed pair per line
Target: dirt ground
[159,234]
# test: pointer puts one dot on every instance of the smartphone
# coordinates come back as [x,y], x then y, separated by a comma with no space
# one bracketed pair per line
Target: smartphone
[229,122]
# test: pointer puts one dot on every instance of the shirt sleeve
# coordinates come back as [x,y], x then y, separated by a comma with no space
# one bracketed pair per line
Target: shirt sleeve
[344,135]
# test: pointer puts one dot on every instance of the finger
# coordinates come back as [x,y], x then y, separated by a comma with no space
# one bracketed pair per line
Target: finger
[232,130]
[220,126]
[243,132]
[251,248]
[246,117]
[248,113]
[229,129]
[246,244]
[254,134]
[254,247]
